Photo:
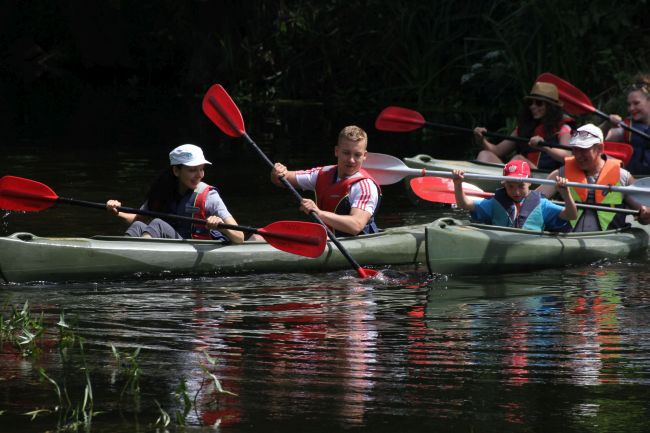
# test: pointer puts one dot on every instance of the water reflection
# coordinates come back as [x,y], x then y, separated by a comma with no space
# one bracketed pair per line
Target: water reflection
[563,350]
[338,352]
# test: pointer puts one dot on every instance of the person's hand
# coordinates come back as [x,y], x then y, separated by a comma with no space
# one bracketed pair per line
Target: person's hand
[213,222]
[479,134]
[279,171]
[615,120]
[561,182]
[536,142]
[112,205]
[644,215]
[458,176]
[308,206]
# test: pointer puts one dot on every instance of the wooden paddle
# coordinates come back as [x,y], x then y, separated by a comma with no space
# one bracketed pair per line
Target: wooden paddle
[387,170]
[296,237]
[399,119]
[223,112]
[441,190]
[575,102]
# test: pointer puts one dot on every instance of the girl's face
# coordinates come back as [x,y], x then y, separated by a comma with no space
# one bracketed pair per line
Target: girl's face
[638,105]
[537,108]
[188,177]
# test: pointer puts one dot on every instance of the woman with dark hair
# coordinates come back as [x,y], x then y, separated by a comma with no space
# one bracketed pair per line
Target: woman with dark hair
[541,119]
[179,190]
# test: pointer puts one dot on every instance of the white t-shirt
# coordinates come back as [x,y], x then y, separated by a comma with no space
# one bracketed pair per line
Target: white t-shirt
[363,195]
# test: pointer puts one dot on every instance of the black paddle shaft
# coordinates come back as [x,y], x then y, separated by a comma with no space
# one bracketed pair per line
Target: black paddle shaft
[623,125]
[494,135]
[299,197]
[155,214]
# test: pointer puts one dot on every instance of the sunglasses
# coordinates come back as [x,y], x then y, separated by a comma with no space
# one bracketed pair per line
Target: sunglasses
[536,103]
[582,135]
[639,86]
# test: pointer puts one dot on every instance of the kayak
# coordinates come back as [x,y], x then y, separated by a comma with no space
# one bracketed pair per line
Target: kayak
[25,257]
[476,167]
[463,248]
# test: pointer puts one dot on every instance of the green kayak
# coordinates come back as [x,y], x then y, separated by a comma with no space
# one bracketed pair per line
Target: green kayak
[486,168]
[25,257]
[462,248]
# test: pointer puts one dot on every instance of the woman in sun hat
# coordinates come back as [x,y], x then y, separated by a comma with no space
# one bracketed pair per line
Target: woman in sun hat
[541,119]
[179,190]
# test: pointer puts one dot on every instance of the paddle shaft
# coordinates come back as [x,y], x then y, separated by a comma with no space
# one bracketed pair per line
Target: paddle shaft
[299,197]
[357,267]
[610,188]
[155,214]
[623,125]
[561,203]
[493,135]
[573,99]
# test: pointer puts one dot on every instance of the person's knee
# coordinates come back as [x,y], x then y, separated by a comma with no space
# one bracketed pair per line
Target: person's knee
[136,229]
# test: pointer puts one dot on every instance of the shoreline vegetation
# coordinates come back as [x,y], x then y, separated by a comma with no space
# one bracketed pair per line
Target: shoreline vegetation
[461,63]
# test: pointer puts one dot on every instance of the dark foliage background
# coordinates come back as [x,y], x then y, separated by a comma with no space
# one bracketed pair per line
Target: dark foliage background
[70,68]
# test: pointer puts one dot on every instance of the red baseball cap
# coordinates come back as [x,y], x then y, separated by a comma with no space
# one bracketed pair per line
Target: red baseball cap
[517,168]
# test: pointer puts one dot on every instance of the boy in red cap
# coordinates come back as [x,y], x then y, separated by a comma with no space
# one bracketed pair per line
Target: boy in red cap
[515,205]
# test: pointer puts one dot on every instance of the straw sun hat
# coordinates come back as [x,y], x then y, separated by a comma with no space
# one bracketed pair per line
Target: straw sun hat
[546,92]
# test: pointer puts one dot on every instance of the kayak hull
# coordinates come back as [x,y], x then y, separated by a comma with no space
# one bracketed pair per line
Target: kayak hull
[26,258]
[460,248]
[484,168]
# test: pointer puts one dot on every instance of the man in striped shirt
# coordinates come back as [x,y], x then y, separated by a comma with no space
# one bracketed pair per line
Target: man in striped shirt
[347,197]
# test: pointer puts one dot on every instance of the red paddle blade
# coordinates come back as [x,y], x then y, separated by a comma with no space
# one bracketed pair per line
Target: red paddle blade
[398,119]
[20,194]
[223,112]
[574,101]
[367,273]
[441,190]
[622,151]
[296,237]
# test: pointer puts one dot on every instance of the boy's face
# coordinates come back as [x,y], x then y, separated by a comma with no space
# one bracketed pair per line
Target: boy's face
[517,191]
[350,156]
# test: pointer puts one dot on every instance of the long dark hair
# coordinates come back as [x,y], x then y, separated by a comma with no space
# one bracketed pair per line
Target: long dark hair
[552,121]
[163,192]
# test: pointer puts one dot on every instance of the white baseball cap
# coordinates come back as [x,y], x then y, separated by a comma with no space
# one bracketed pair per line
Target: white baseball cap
[586,136]
[187,154]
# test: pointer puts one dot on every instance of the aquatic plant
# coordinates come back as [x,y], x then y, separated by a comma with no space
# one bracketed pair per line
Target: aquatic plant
[22,330]
[72,414]
[129,365]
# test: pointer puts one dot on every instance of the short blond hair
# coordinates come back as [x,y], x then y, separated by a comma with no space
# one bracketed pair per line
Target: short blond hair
[353,133]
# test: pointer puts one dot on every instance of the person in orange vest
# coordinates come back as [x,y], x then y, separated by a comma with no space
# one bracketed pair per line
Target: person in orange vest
[179,190]
[638,106]
[541,119]
[347,197]
[589,164]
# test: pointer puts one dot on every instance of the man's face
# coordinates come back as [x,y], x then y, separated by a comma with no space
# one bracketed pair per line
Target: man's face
[350,156]
[587,159]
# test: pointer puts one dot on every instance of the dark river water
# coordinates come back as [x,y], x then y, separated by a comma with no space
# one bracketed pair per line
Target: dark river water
[559,350]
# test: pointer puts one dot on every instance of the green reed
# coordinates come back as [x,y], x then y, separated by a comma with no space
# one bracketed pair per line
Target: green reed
[129,365]
[72,414]
[22,330]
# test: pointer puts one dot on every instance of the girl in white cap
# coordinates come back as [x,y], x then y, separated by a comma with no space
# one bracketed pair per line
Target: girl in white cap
[179,190]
